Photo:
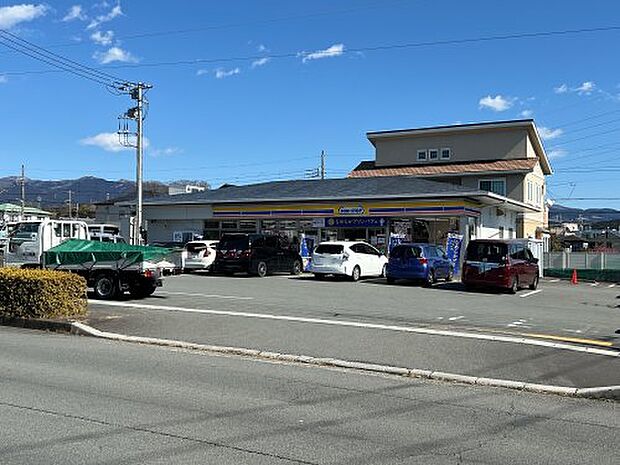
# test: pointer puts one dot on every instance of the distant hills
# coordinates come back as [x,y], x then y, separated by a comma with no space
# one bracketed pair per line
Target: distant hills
[560,213]
[85,190]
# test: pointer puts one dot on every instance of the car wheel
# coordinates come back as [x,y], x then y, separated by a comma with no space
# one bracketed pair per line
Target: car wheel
[261,269]
[514,286]
[430,278]
[534,284]
[450,275]
[106,287]
[384,271]
[356,274]
[297,268]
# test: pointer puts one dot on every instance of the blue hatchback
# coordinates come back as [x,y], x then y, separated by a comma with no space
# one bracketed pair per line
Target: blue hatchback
[425,262]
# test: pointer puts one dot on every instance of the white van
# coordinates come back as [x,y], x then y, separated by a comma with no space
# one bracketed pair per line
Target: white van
[28,240]
[106,233]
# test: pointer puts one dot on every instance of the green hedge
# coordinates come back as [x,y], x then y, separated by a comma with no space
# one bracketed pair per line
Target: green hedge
[41,294]
[588,275]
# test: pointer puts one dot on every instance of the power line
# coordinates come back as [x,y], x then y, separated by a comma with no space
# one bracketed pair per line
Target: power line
[377,48]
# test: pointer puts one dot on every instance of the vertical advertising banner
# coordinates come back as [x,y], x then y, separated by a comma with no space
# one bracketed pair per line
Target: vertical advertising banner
[453,250]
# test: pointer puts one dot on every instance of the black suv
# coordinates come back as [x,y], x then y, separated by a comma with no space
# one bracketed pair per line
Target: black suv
[256,254]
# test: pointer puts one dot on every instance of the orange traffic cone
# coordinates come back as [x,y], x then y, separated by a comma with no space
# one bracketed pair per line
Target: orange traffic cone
[573,279]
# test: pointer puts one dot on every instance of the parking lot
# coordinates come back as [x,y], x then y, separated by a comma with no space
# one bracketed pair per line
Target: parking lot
[545,337]
[556,309]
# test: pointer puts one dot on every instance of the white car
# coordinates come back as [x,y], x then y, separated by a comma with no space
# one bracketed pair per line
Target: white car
[352,259]
[199,255]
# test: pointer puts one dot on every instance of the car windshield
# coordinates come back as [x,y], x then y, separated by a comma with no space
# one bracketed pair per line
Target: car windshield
[234,243]
[329,249]
[25,230]
[486,251]
[402,251]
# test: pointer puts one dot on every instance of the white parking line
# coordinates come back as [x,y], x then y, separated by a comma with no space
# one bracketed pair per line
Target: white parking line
[611,285]
[554,280]
[454,318]
[213,296]
[356,324]
[594,284]
[527,294]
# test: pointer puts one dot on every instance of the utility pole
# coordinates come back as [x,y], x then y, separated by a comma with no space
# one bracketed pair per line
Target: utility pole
[22,182]
[70,201]
[137,114]
[322,164]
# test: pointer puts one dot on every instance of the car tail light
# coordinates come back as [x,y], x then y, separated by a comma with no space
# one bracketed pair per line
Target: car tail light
[422,261]
[246,253]
[148,273]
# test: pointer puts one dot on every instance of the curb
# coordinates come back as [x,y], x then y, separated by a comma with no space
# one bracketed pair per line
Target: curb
[603,392]
[37,323]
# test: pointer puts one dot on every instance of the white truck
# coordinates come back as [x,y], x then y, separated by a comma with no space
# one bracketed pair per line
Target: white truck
[26,243]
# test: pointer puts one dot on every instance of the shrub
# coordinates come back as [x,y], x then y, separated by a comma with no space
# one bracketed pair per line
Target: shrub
[41,294]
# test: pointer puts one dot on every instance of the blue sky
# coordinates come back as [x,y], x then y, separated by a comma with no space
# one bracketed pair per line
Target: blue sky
[267,117]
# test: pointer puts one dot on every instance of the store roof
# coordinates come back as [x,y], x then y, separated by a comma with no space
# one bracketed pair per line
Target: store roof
[368,168]
[345,189]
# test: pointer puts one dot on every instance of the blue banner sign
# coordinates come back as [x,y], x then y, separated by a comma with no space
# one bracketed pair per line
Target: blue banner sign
[453,249]
[359,222]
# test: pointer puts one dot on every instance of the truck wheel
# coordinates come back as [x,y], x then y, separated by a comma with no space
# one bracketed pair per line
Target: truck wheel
[140,291]
[106,287]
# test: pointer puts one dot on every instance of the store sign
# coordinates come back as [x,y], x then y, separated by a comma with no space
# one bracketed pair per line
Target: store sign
[358,210]
[355,222]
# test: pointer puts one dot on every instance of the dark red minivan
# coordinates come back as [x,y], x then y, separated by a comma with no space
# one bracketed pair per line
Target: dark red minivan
[500,263]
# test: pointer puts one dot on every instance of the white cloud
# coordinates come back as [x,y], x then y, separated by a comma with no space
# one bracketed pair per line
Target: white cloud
[114,12]
[557,153]
[561,89]
[102,38]
[586,88]
[548,133]
[109,141]
[202,72]
[11,16]
[497,103]
[165,152]
[221,73]
[333,51]
[262,48]
[114,54]
[526,113]
[3,79]
[260,62]
[75,12]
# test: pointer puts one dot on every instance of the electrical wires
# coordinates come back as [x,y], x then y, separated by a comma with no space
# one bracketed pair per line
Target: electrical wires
[29,49]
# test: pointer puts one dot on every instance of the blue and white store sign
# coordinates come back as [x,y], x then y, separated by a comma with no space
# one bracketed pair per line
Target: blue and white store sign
[353,211]
[359,222]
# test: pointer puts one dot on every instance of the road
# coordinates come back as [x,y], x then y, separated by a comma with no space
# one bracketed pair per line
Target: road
[405,326]
[77,400]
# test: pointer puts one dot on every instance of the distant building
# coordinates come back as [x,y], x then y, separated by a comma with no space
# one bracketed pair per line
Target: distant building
[185,189]
[10,212]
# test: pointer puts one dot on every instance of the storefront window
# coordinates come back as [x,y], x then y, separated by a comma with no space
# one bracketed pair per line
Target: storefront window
[230,225]
[269,225]
[247,225]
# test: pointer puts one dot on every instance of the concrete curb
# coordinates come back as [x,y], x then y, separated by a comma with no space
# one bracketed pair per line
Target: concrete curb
[36,323]
[603,392]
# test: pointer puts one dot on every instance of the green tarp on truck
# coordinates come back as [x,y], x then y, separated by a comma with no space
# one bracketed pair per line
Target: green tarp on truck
[87,253]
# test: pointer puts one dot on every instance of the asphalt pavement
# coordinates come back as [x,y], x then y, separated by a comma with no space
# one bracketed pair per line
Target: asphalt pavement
[402,325]
[78,400]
